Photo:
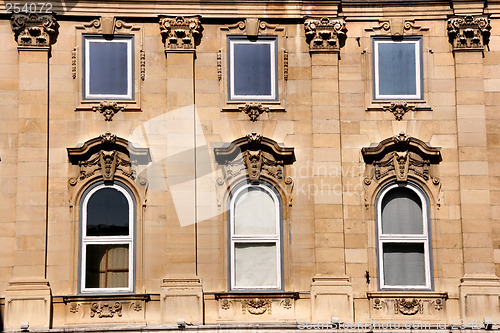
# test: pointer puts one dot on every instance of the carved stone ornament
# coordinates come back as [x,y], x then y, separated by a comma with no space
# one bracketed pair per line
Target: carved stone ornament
[105,309]
[180,33]
[397,27]
[469,32]
[408,306]
[253,110]
[400,157]
[252,27]
[399,109]
[34,30]
[324,34]
[108,109]
[106,156]
[255,157]
[256,306]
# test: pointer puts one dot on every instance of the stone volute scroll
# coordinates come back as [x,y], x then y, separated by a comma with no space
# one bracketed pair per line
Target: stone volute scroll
[325,34]
[255,157]
[107,157]
[401,158]
[469,32]
[34,30]
[180,33]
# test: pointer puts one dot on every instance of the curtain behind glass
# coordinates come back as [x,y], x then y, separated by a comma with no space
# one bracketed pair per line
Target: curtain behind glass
[107,266]
[402,212]
[255,264]
[254,213]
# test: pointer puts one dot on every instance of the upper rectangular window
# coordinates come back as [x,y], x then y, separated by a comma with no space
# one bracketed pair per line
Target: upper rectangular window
[397,68]
[252,68]
[108,67]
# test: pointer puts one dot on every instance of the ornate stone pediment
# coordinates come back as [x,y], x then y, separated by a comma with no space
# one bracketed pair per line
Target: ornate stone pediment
[400,157]
[34,30]
[325,33]
[107,156]
[180,33]
[469,32]
[255,157]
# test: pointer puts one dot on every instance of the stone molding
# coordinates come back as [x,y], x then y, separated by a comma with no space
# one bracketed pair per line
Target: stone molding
[332,296]
[180,33]
[34,30]
[325,34]
[469,32]
[181,298]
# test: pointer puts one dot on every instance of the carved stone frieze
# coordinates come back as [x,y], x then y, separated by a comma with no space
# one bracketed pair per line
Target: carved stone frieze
[253,110]
[256,306]
[34,30]
[325,33]
[399,109]
[180,33]
[469,32]
[108,109]
[105,309]
[396,304]
[106,156]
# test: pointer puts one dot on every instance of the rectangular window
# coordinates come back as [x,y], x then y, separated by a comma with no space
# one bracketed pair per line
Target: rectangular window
[252,68]
[397,68]
[108,67]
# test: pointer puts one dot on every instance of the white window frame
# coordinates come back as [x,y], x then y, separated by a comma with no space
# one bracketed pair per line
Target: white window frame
[271,40]
[129,41]
[107,240]
[417,41]
[260,239]
[423,238]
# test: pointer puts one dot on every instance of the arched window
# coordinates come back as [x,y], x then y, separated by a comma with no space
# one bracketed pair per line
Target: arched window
[107,239]
[403,237]
[255,238]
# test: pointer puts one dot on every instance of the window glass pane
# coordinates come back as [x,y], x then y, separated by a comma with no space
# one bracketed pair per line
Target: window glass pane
[255,265]
[254,213]
[402,212]
[107,213]
[404,264]
[252,69]
[107,266]
[396,67]
[108,68]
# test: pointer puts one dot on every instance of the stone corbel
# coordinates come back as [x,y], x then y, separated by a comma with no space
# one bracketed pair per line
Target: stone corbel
[180,33]
[325,34]
[469,32]
[34,30]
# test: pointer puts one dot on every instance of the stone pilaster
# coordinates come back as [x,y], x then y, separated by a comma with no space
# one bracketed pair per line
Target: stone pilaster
[479,288]
[28,296]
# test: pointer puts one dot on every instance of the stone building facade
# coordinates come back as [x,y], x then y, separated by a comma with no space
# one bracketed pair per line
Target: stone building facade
[223,164]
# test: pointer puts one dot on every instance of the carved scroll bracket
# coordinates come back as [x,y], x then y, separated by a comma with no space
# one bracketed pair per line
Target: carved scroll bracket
[469,32]
[397,27]
[180,33]
[325,34]
[34,30]
[253,27]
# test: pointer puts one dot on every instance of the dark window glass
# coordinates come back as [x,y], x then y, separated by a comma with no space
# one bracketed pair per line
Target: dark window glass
[396,69]
[252,69]
[404,264]
[402,212]
[108,72]
[107,213]
[107,266]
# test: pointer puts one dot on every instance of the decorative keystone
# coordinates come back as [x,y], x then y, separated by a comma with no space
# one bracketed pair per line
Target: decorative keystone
[469,32]
[180,33]
[324,34]
[34,30]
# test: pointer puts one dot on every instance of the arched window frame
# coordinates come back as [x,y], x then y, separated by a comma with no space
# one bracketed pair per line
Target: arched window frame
[105,240]
[424,238]
[276,238]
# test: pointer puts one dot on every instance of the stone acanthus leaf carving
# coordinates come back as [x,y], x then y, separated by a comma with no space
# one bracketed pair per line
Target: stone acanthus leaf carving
[143,65]
[108,109]
[256,306]
[105,310]
[180,33]
[324,34]
[34,29]
[399,109]
[253,110]
[107,162]
[469,32]
[408,306]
